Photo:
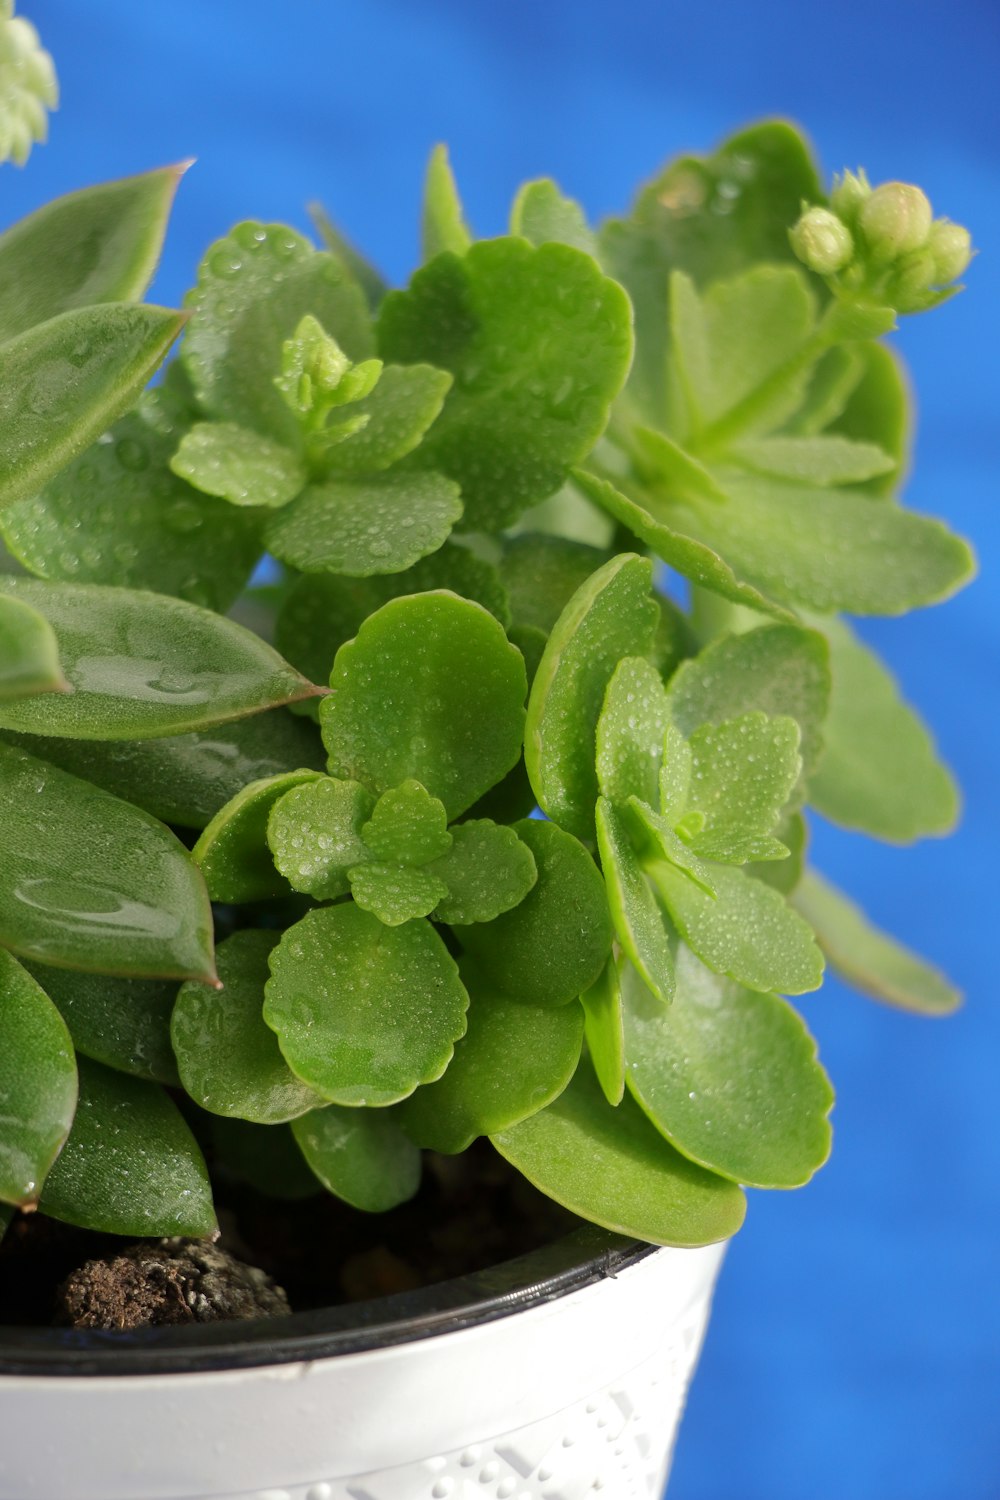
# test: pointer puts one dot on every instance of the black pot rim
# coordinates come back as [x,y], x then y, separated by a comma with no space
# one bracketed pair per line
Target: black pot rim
[579,1259]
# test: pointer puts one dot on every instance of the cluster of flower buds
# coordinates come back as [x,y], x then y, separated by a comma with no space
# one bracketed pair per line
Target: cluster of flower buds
[28,86]
[882,244]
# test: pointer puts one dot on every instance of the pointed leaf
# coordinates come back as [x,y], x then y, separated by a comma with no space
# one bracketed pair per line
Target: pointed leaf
[131,1166]
[363,526]
[98,245]
[610,1166]
[90,882]
[403,405]
[29,652]
[395,893]
[360,1155]
[443,226]
[351,260]
[487,871]
[143,665]
[408,825]
[235,463]
[429,688]
[605,1032]
[541,213]
[228,1058]
[638,921]
[123,1023]
[65,382]
[553,944]
[364,1013]
[610,616]
[37,1083]
[631,731]
[868,959]
[313,827]
[539,343]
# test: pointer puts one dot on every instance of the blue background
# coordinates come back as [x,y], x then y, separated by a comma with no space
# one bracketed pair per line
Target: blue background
[855,1349]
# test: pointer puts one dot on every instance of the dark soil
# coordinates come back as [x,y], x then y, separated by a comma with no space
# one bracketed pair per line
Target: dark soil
[473,1211]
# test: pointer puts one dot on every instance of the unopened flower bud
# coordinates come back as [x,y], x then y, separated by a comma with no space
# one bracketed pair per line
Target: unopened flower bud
[912,278]
[895,219]
[28,86]
[951,246]
[821,241]
[849,192]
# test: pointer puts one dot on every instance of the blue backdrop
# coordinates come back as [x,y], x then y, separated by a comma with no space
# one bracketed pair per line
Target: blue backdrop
[856,1344]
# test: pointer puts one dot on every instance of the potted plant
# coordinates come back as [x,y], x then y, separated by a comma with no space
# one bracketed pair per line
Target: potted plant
[279,916]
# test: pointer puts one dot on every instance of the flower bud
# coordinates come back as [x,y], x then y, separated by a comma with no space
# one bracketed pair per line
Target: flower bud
[821,241]
[849,192]
[895,219]
[951,246]
[912,278]
[27,86]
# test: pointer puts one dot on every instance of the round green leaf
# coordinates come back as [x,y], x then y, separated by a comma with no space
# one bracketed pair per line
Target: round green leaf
[37,1083]
[237,464]
[123,1023]
[431,689]
[395,893]
[399,411]
[610,1166]
[542,573]
[407,825]
[232,852]
[314,832]
[363,1012]
[131,1165]
[730,1077]
[360,1155]
[553,945]
[229,1059]
[631,732]
[487,871]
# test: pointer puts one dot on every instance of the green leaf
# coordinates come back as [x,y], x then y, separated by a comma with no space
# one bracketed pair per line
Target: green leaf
[487,871]
[131,1166]
[783,873]
[29,652]
[880,773]
[443,225]
[395,893]
[743,772]
[631,732]
[98,245]
[541,213]
[878,410]
[634,910]
[65,382]
[610,1166]
[37,1083]
[822,460]
[123,1023]
[776,669]
[868,959]
[430,688]
[187,778]
[237,464]
[360,1155]
[143,665]
[514,1059]
[364,1013]
[552,946]
[90,882]
[407,825]
[610,616]
[655,840]
[363,526]
[833,378]
[605,1032]
[344,252]
[314,833]
[748,933]
[398,412]
[232,852]
[265,1156]
[539,343]
[542,573]
[228,1058]
[729,1077]
[254,287]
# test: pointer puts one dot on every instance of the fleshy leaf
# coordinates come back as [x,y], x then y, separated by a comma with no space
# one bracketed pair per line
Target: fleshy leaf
[868,959]
[123,1023]
[675,774]
[514,1059]
[238,465]
[364,1013]
[314,832]
[232,852]
[784,871]
[398,412]
[360,1155]
[542,573]
[395,893]
[90,882]
[143,665]
[97,245]
[29,652]
[655,840]
[349,257]
[539,343]
[605,1032]
[730,1077]
[610,1166]
[66,381]
[634,909]
[443,226]
[362,526]
[37,1083]
[131,1166]
[822,460]
[612,615]
[833,378]
[631,731]
[878,410]
[487,871]
[407,825]
[553,944]
[541,213]
[880,772]
[742,774]
[429,688]
[228,1057]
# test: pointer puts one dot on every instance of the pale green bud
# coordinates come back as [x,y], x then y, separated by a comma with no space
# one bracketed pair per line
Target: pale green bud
[911,280]
[849,192]
[895,219]
[951,246]
[821,241]
[28,86]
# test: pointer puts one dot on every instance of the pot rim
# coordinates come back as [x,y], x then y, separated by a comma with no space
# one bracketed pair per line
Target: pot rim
[580,1259]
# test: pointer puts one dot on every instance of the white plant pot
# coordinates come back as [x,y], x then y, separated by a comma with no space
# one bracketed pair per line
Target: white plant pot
[560,1375]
